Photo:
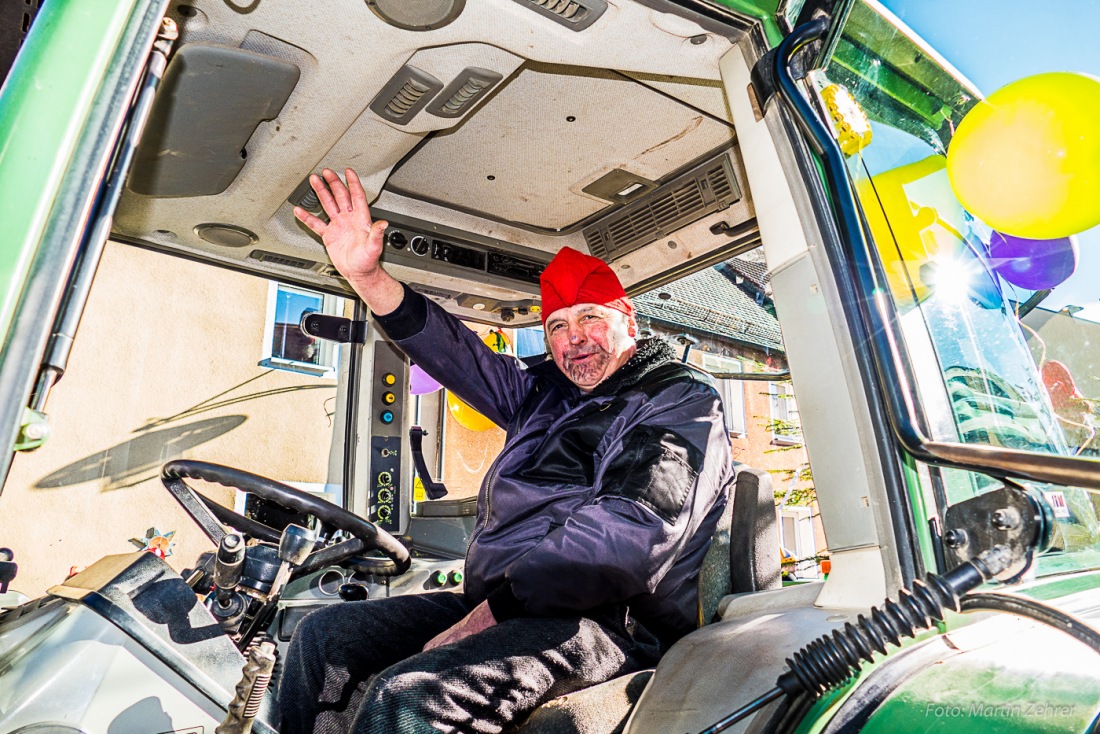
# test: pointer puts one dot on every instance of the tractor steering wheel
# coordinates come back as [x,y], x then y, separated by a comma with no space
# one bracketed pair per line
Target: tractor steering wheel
[210,516]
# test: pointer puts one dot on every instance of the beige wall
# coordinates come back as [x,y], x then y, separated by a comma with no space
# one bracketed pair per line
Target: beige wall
[164,366]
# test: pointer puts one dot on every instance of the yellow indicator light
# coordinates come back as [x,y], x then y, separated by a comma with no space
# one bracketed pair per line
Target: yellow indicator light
[850,123]
[388,398]
[389,379]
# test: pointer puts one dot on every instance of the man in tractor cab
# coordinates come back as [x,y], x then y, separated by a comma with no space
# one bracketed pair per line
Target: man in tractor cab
[592,522]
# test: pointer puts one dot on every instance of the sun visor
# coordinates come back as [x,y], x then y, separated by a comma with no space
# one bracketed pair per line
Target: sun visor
[210,103]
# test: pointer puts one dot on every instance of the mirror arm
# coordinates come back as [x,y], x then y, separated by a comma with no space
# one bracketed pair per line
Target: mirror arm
[333,328]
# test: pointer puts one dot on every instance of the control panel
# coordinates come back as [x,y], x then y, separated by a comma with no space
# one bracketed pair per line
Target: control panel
[405,241]
[435,248]
[388,409]
[385,462]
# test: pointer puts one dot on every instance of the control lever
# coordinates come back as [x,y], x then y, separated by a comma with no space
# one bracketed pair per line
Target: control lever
[228,565]
[295,546]
[229,605]
[249,693]
[434,489]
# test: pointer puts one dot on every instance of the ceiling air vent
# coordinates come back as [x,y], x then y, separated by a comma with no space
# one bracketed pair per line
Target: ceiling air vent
[705,189]
[723,184]
[464,92]
[408,92]
[574,14]
[277,259]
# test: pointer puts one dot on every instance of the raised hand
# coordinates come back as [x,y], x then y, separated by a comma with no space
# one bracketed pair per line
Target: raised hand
[353,241]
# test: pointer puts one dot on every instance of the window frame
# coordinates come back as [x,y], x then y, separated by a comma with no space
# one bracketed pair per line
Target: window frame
[802,518]
[731,392]
[786,399]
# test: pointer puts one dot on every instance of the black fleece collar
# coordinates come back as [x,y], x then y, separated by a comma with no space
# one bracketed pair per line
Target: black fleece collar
[649,354]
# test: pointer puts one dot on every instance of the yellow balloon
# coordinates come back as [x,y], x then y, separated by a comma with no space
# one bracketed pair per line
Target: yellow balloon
[903,226]
[466,416]
[1026,161]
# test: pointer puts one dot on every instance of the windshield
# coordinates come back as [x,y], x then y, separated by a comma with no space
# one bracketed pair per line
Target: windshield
[176,360]
[1003,329]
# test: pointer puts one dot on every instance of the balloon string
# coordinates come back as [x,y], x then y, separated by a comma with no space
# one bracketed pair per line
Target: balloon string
[1035,334]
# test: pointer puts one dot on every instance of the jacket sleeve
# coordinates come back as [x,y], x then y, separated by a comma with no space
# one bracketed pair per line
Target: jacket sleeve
[650,497]
[492,384]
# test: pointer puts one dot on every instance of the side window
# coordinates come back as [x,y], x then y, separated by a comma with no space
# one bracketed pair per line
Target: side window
[724,320]
[463,442]
[468,441]
[285,347]
[188,387]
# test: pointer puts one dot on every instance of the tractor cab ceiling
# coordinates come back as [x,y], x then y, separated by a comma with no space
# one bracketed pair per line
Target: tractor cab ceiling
[489,133]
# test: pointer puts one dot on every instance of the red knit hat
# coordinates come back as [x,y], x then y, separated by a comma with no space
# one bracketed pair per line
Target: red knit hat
[573,277]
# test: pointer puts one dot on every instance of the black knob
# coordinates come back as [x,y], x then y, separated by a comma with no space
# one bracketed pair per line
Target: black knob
[229,610]
[396,239]
[229,562]
[353,592]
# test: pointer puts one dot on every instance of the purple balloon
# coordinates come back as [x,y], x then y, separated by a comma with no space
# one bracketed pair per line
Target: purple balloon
[1032,264]
[420,383]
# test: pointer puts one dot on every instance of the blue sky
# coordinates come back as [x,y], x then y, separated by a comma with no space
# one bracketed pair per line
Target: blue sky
[994,42]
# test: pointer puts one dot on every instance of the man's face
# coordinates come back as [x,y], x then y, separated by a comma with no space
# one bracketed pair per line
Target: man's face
[589,342]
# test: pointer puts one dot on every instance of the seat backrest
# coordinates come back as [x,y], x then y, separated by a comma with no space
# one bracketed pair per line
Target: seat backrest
[744,550]
[754,535]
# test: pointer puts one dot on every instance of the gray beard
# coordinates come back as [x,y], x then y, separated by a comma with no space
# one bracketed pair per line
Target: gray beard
[584,373]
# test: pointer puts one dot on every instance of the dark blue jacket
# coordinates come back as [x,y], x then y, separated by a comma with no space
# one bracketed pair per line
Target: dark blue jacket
[597,498]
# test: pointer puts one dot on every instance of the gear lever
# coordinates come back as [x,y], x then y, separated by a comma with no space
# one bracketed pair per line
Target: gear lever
[228,564]
[295,546]
[228,605]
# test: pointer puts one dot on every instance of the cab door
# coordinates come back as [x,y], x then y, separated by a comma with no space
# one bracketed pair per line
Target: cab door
[63,110]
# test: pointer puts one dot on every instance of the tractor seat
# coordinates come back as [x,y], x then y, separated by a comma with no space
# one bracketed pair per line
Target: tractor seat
[743,557]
